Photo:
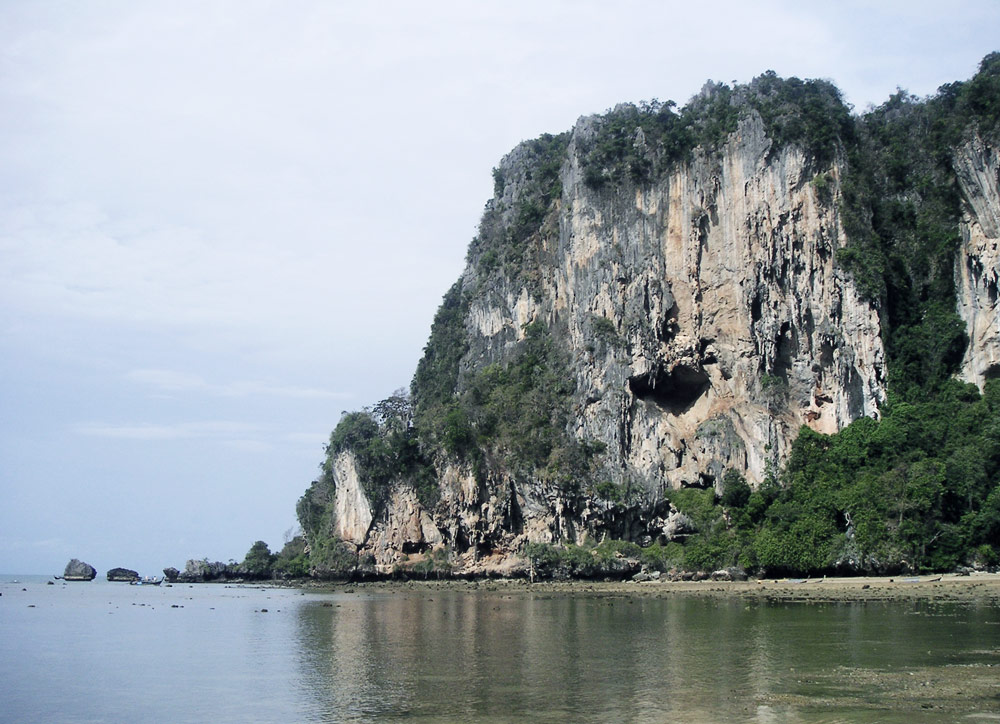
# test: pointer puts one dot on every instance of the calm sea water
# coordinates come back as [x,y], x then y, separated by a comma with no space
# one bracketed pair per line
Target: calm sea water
[106,652]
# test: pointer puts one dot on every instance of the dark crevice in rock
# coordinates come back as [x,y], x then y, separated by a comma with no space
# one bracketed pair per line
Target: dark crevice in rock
[707,358]
[809,327]
[703,224]
[785,347]
[854,387]
[625,434]
[515,516]
[669,327]
[826,354]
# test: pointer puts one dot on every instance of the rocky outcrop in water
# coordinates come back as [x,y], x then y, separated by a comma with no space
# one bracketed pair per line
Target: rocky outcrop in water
[77,570]
[123,575]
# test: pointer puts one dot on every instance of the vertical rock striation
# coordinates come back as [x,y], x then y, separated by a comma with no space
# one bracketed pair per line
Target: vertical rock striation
[977,166]
[732,326]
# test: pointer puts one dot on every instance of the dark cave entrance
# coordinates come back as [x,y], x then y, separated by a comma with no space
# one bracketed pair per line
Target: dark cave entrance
[674,391]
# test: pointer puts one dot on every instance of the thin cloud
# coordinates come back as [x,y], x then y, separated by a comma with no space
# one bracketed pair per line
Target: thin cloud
[43,544]
[219,429]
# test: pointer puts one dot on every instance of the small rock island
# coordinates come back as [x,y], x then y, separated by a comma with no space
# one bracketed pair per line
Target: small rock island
[77,570]
[126,575]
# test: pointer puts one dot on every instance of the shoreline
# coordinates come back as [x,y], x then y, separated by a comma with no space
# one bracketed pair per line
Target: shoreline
[975,588]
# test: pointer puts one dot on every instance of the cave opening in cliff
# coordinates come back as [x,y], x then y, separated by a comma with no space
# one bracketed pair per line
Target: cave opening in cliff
[785,344]
[675,391]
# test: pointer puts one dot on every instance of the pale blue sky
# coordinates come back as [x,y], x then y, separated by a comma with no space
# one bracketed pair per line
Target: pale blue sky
[221,224]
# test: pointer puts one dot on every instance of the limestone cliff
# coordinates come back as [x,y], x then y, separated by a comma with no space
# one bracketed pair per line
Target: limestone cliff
[705,321]
[653,299]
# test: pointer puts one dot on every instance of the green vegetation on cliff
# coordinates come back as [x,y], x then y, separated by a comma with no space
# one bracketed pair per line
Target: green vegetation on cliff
[917,490]
[641,143]
[507,244]
[901,207]
[516,414]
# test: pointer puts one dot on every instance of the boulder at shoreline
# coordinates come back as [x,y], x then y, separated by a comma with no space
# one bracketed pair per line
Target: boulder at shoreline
[77,570]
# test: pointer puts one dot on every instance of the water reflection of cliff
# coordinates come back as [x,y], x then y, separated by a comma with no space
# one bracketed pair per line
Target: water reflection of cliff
[493,656]
[450,656]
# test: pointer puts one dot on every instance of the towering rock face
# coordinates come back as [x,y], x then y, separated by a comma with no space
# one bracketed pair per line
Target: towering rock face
[700,320]
[705,316]
[977,265]
[660,297]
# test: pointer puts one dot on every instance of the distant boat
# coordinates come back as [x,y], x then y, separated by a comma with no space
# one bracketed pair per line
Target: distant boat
[146,581]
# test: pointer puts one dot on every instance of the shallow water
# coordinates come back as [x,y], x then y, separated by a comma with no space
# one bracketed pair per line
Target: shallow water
[104,652]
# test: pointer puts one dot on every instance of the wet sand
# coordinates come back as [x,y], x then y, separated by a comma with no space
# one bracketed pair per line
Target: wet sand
[978,588]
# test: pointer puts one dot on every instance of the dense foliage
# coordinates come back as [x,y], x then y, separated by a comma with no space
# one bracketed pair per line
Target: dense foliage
[900,209]
[915,491]
[258,564]
[258,561]
[383,441]
[608,559]
[640,143]
[437,372]
[507,243]
[517,412]
[292,561]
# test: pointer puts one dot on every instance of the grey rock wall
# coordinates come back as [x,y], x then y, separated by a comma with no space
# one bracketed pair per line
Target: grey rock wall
[977,165]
